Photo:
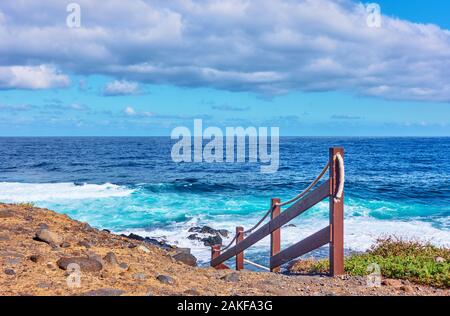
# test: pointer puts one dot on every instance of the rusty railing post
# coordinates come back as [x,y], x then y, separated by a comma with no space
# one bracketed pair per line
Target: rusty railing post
[275,237]
[215,252]
[239,256]
[336,217]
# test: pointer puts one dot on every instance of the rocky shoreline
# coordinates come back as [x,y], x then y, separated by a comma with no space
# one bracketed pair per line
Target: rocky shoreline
[46,253]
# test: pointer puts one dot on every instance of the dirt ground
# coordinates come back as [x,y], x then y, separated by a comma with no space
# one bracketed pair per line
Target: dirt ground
[115,265]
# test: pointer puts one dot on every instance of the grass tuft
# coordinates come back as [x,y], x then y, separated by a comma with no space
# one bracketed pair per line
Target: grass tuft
[26,205]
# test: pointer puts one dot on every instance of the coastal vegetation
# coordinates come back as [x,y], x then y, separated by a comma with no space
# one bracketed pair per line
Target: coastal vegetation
[397,258]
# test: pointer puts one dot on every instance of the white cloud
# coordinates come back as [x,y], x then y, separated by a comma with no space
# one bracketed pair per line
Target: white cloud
[37,77]
[121,87]
[129,111]
[264,46]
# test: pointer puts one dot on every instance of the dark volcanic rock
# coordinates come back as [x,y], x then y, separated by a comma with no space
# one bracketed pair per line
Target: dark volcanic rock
[209,230]
[134,237]
[48,237]
[215,237]
[86,264]
[43,285]
[10,272]
[186,258]
[194,237]
[192,292]
[43,226]
[85,244]
[104,292]
[86,227]
[139,276]
[231,277]
[36,258]
[223,232]
[124,266]
[165,279]
[157,243]
[111,258]
[211,241]
[207,241]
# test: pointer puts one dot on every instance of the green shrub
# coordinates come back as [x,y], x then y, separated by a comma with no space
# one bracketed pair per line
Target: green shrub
[398,259]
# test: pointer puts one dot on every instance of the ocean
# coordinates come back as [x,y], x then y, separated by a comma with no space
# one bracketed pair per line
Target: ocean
[394,186]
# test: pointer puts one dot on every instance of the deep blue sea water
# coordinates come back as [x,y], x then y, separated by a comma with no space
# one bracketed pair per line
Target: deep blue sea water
[393,186]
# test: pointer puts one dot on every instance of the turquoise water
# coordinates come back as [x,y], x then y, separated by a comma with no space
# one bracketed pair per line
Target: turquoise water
[394,186]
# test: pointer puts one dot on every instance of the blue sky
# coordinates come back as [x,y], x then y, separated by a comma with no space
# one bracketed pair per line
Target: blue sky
[310,68]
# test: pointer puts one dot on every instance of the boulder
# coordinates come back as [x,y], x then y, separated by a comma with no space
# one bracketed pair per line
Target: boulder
[135,237]
[211,241]
[194,237]
[192,292]
[104,292]
[85,244]
[139,276]
[36,258]
[124,266]
[48,237]
[183,250]
[10,272]
[43,226]
[86,227]
[144,249]
[186,258]
[165,279]
[224,232]
[111,259]
[86,264]
[231,277]
[159,243]
[209,230]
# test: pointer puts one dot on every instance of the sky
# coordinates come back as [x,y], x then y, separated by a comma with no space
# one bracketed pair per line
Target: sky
[309,67]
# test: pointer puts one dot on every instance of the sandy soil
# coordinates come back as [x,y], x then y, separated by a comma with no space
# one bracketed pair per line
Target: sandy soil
[32,267]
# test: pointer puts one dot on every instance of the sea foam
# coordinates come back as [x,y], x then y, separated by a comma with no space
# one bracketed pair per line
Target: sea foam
[13,192]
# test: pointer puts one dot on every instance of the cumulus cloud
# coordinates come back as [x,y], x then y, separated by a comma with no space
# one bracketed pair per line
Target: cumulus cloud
[130,111]
[266,46]
[121,87]
[32,77]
